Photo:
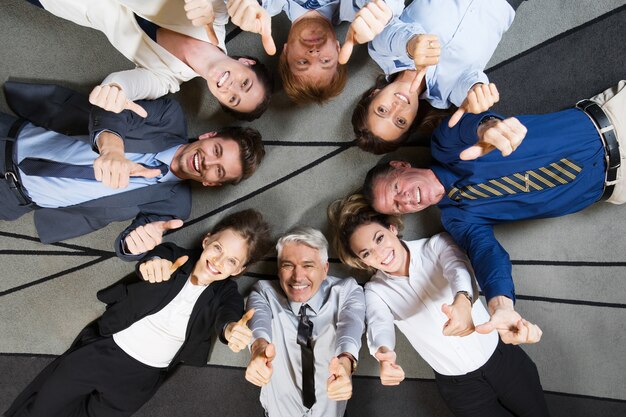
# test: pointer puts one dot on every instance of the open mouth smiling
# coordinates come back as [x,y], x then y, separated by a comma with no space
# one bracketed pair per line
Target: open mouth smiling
[223,79]
[402,97]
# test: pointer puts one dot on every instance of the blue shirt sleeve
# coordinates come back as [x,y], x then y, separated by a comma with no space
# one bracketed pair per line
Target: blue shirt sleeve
[448,142]
[490,261]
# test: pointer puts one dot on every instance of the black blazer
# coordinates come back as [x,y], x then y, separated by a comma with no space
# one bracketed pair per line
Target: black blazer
[217,306]
[63,110]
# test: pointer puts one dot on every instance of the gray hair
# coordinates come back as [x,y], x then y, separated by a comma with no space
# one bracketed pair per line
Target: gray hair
[305,235]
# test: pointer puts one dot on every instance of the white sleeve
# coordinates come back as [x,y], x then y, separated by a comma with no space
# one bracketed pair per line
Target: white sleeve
[380,327]
[351,319]
[261,321]
[142,83]
[454,263]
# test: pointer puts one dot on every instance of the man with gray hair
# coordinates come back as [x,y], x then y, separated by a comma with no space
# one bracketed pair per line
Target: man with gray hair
[306,331]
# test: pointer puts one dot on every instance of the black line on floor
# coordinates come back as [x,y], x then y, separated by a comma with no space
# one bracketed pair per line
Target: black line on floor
[58,274]
[289,143]
[232,34]
[568,263]
[586,397]
[556,38]
[570,301]
[96,252]
[43,252]
[264,188]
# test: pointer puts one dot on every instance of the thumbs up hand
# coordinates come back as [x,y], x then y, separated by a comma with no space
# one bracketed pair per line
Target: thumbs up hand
[238,334]
[460,322]
[369,22]
[480,98]
[259,370]
[146,237]
[159,270]
[390,372]
[339,384]
[250,16]
[112,98]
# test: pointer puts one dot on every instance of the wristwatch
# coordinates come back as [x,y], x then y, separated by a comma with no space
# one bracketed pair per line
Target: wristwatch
[466,294]
[353,361]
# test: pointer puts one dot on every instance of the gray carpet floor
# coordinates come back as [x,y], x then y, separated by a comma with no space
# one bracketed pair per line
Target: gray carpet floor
[569,272]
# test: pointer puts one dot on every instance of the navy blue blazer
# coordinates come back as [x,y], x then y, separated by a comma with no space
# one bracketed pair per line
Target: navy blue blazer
[64,110]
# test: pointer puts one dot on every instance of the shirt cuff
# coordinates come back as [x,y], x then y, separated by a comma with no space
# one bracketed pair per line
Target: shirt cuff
[348,347]
[96,135]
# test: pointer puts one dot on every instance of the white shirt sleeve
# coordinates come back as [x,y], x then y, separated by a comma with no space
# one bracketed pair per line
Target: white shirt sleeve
[142,83]
[351,319]
[380,326]
[454,262]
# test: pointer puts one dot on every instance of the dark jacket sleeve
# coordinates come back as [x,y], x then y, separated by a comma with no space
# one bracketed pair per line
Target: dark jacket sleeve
[178,206]
[230,309]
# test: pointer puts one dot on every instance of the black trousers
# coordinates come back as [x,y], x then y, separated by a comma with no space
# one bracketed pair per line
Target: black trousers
[507,385]
[97,379]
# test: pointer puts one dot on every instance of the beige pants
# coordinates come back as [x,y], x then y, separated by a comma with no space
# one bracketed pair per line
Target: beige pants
[613,102]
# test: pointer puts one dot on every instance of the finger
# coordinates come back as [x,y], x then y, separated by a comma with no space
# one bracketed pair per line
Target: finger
[247,316]
[95,94]
[131,244]
[124,176]
[366,27]
[241,334]
[165,271]
[447,310]
[486,327]
[456,117]
[266,35]
[138,170]
[158,273]
[270,352]
[178,263]
[210,33]
[346,48]
[476,151]
[419,76]
[386,356]
[495,94]
[478,103]
[143,240]
[97,169]
[335,366]
[143,271]
[134,107]
[171,224]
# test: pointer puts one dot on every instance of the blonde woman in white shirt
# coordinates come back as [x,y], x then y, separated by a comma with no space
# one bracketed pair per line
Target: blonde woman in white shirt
[426,288]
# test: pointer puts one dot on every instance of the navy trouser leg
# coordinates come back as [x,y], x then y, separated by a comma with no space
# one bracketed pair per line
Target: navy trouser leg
[507,385]
[10,208]
[94,380]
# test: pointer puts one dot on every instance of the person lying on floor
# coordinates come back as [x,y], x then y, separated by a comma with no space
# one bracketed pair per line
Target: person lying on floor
[169,315]
[110,167]
[426,288]
[170,42]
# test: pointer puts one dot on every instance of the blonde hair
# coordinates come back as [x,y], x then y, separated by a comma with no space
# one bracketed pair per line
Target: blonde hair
[302,91]
[345,216]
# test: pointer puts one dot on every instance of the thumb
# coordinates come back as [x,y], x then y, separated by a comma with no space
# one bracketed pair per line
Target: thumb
[456,117]
[346,49]
[415,84]
[476,151]
[138,170]
[266,35]
[178,263]
[485,328]
[334,367]
[247,316]
[134,107]
[386,356]
[447,310]
[270,352]
[172,224]
[210,33]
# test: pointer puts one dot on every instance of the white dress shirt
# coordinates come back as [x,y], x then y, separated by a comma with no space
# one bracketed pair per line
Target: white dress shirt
[438,270]
[158,72]
[469,32]
[337,311]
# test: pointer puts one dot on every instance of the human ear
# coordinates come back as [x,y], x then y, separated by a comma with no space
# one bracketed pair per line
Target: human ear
[205,241]
[399,164]
[246,61]
[393,229]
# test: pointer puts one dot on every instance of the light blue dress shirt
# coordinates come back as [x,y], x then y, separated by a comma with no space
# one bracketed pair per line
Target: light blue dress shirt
[336,11]
[337,311]
[469,32]
[37,142]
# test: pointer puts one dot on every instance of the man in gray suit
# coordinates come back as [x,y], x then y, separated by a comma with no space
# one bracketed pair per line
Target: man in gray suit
[126,167]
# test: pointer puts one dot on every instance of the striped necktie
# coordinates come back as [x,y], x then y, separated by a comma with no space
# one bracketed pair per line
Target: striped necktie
[311,4]
[550,176]
[47,168]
